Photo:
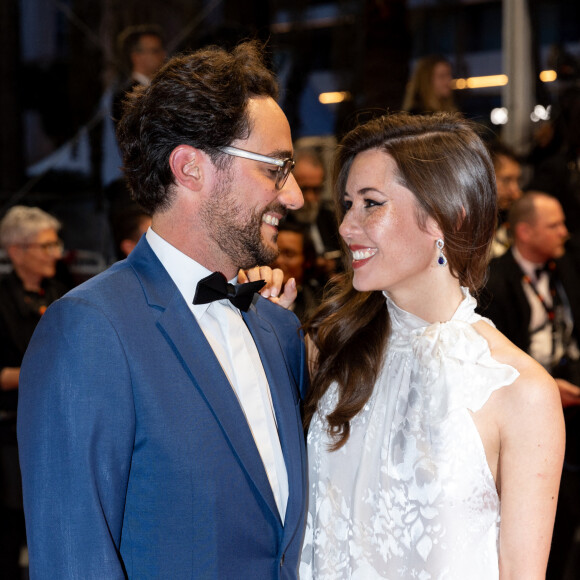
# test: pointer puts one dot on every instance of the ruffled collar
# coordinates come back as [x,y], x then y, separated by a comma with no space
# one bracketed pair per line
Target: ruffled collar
[454,366]
[405,322]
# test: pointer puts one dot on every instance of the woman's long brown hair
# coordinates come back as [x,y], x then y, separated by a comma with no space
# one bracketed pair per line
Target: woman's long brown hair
[443,162]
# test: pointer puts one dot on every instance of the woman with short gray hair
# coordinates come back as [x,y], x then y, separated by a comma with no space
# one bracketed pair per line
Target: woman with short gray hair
[29,236]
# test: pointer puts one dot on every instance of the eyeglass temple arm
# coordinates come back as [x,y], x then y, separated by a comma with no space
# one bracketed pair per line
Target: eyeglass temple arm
[253,156]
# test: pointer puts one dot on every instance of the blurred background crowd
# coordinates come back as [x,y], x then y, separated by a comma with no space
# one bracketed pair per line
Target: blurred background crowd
[512,66]
[65,66]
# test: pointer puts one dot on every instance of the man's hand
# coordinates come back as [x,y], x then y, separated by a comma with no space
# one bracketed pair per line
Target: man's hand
[569,393]
[274,278]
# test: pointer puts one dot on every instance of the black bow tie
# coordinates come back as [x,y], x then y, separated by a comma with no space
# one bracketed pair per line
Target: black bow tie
[549,267]
[216,287]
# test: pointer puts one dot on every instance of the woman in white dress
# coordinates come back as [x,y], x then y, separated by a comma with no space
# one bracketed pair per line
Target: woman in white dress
[435,445]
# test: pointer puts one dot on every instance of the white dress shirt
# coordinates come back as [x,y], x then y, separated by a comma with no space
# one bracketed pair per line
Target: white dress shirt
[234,347]
[542,348]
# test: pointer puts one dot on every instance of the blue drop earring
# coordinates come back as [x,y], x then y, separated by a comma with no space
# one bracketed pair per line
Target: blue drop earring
[441,260]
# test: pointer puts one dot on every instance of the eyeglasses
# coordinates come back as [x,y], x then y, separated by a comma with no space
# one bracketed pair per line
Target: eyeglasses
[285,166]
[56,246]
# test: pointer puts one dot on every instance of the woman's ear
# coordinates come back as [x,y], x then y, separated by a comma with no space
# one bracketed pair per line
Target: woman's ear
[433,229]
[185,162]
[461,219]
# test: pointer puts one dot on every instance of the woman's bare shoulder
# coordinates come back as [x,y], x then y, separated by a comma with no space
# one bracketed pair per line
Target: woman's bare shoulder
[527,413]
[534,383]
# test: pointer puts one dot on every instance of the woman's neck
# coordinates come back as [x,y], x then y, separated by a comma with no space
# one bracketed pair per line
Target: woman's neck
[432,303]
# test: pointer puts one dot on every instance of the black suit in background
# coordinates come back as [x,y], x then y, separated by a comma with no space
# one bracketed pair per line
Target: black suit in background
[504,301]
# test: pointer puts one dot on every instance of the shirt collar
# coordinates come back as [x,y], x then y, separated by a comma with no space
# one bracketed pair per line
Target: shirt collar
[184,271]
[529,268]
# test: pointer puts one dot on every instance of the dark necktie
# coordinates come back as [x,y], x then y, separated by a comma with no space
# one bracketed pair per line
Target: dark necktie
[549,267]
[216,287]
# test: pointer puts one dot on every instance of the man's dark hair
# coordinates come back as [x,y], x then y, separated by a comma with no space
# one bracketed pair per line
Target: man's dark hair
[129,39]
[199,99]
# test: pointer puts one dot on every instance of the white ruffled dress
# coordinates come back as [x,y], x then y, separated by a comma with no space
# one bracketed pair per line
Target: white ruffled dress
[410,495]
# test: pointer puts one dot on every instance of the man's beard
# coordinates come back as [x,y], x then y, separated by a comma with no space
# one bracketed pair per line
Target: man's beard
[237,230]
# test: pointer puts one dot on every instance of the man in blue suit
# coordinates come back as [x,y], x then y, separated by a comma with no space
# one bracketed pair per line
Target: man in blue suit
[159,414]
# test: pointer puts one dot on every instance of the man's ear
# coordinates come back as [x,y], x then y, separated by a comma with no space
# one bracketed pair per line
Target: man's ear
[523,231]
[187,165]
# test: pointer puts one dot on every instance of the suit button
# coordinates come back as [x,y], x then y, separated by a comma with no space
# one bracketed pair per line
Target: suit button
[282,560]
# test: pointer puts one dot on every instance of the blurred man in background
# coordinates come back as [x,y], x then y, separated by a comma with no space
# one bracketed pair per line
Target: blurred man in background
[316,215]
[533,297]
[508,176]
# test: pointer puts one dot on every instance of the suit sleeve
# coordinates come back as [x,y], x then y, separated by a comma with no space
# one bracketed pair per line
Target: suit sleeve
[76,424]
[304,374]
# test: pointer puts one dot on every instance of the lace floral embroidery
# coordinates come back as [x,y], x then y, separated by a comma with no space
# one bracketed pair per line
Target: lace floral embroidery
[410,495]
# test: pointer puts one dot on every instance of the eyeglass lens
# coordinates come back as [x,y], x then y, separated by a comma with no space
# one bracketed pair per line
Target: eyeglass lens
[284,172]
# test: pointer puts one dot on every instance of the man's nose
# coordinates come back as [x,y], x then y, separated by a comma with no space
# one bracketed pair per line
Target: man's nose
[291,195]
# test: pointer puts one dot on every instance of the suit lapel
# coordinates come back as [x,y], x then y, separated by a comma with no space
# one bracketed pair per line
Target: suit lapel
[180,328]
[285,400]
[516,274]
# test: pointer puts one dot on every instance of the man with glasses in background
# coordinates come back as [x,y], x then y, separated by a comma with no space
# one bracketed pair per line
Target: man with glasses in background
[317,215]
[508,177]
[142,52]
[159,419]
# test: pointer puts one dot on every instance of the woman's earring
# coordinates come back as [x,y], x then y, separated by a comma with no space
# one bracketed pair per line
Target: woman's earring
[441,260]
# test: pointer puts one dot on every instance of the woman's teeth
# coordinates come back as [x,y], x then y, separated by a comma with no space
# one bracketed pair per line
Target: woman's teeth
[363,254]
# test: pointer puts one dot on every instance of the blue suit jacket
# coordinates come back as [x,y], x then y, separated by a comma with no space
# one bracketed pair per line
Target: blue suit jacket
[137,460]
